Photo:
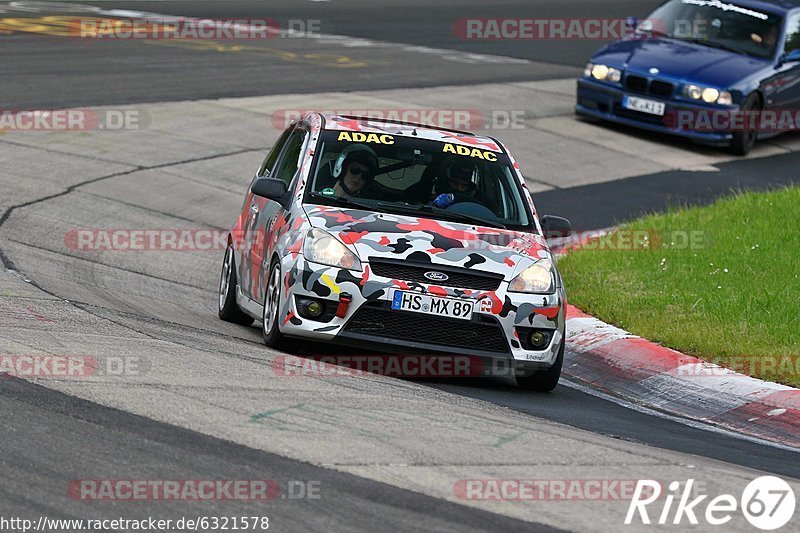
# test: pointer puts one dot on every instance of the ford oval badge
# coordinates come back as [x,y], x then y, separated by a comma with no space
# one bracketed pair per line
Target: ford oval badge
[436,276]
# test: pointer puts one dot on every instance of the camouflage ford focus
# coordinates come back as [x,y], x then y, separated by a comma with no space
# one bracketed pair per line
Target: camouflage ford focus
[398,237]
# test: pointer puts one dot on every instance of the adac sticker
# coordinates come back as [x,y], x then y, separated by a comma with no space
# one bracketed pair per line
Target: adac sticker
[357,136]
[487,155]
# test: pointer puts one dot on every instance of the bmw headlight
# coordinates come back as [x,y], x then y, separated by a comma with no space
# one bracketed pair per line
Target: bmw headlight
[539,278]
[603,72]
[709,95]
[323,248]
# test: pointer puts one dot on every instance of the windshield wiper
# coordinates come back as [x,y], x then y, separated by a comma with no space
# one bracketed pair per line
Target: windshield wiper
[420,208]
[341,200]
[714,44]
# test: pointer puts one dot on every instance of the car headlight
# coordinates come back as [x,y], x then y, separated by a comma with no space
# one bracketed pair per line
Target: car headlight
[539,278]
[725,98]
[709,95]
[323,248]
[603,72]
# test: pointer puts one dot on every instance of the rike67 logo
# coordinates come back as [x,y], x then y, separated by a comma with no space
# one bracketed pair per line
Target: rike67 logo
[767,503]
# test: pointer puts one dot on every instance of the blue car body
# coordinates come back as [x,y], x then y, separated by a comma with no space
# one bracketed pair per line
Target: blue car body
[659,67]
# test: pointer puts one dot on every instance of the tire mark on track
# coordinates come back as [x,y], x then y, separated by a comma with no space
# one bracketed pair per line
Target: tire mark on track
[9,264]
[10,267]
[154,211]
[113,267]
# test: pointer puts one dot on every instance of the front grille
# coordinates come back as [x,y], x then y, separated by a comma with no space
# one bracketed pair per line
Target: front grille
[484,333]
[638,84]
[661,88]
[415,272]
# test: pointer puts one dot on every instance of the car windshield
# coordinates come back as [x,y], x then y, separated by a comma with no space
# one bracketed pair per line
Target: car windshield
[403,175]
[717,24]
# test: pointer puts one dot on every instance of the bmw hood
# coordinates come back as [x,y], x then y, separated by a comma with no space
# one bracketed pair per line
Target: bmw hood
[688,62]
[423,240]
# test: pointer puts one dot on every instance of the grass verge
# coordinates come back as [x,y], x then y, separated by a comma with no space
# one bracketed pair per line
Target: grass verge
[721,282]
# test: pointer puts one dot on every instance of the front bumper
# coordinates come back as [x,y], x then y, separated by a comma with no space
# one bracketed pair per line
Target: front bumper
[493,332]
[603,101]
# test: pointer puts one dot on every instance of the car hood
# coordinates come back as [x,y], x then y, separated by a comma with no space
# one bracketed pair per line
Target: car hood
[439,242]
[681,61]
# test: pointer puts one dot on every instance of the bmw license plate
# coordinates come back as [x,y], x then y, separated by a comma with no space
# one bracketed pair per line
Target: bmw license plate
[432,305]
[643,105]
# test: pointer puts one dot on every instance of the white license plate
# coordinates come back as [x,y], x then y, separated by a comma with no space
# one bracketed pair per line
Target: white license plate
[432,305]
[643,105]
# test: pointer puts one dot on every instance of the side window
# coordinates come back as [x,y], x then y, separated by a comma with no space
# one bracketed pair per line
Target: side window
[792,33]
[290,159]
[272,156]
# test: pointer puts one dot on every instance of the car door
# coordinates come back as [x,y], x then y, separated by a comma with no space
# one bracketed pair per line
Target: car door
[268,210]
[784,89]
[245,234]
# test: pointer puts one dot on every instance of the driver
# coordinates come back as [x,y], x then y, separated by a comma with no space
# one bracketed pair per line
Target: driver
[457,186]
[768,40]
[355,168]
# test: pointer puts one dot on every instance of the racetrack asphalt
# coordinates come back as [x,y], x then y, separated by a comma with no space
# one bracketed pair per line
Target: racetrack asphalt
[113,444]
[53,71]
[161,305]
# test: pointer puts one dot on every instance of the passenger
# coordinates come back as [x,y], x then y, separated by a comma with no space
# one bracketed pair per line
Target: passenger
[457,186]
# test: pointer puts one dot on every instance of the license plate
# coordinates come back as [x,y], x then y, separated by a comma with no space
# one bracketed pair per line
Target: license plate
[432,305]
[643,105]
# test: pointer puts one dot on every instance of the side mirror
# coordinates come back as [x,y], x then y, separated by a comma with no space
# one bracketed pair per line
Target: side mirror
[270,188]
[555,227]
[792,56]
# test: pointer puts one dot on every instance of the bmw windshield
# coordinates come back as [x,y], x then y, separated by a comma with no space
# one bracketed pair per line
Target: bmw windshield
[717,24]
[403,175]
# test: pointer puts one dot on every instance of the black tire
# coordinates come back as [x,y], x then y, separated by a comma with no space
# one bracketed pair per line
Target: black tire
[743,141]
[544,380]
[272,301]
[228,308]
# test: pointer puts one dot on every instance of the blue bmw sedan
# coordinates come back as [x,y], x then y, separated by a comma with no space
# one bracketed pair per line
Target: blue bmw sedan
[694,57]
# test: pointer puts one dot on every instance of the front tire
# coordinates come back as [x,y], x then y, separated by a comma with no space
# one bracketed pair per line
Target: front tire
[743,141]
[228,309]
[272,301]
[544,380]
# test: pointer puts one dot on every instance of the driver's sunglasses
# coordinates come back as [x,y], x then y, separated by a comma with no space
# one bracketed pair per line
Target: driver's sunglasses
[359,171]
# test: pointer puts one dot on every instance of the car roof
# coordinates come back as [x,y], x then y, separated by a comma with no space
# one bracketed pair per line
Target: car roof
[418,130]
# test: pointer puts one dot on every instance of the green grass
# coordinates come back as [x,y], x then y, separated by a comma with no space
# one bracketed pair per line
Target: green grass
[732,295]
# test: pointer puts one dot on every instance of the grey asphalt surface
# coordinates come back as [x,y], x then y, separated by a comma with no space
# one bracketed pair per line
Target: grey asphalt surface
[53,72]
[622,200]
[112,444]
